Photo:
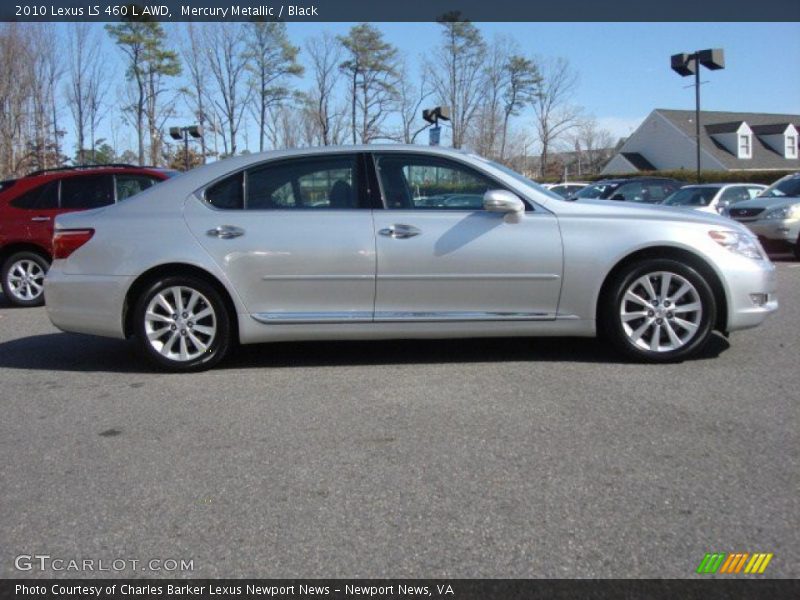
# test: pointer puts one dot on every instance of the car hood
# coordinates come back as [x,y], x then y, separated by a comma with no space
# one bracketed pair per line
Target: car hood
[651,212]
[767,202]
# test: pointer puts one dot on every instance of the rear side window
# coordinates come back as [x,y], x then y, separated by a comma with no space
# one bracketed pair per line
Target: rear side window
[44,197]
[227,194]
[307,183]
[130,185]
[329,182]
[86,191]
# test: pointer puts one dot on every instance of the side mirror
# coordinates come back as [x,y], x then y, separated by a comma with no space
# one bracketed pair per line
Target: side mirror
[502,201]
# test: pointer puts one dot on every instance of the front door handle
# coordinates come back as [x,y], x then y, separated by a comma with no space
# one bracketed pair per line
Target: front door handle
[39,219]
[400,231]
[225,232]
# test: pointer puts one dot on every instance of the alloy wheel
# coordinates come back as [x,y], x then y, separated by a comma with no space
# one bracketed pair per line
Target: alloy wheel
[661,311]
[25,280]
[180,323]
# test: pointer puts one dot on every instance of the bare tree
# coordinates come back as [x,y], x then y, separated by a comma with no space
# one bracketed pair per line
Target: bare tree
[325,54]
[194,58]
[272,62]
[457,73]
[594,146]
[487,129]
[46,72]
[410,98]
[552,105]
[227,61]
[371,67]
[87,85]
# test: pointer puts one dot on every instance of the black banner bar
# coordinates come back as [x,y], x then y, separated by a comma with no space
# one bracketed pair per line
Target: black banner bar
[399,589]
[411,10]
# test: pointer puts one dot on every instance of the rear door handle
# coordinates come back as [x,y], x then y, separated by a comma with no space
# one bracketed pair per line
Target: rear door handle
[39,219]
[225,232]
[400,231]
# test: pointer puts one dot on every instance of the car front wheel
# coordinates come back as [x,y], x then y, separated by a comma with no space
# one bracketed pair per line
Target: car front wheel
[182,324]
[23,278]
[659,310]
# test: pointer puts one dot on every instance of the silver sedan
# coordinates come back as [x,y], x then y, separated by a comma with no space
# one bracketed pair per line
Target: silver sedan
[382,242]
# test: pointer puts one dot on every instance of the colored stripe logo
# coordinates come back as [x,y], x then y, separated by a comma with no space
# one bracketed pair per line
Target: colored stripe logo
[734,563]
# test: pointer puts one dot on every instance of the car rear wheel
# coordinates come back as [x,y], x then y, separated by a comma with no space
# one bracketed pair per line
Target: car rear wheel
[659,310]
[182,324]
[23,278]
[797,248]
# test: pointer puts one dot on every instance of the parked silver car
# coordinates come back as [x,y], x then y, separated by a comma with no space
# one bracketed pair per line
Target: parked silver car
[395,242]
[713,197]
[775,215]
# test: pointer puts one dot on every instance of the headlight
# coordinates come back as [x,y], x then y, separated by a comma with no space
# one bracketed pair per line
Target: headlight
[787,212]
[740,243]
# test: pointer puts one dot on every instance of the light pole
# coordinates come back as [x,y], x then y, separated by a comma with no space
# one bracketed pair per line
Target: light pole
[432,116]
[686,64]
[183,133]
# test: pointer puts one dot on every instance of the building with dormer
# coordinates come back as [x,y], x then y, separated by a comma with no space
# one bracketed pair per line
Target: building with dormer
[729,141]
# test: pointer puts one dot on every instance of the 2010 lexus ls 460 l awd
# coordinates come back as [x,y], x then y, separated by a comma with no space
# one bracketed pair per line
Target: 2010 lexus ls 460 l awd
[395,242]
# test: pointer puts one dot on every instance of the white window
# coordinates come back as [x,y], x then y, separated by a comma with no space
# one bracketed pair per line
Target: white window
[745,146]
[791,146]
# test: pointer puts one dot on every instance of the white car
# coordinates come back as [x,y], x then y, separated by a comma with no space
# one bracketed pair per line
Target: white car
[713,197]
[382,242]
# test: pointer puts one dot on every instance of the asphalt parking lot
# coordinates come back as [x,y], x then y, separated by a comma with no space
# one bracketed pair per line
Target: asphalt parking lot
[498,458]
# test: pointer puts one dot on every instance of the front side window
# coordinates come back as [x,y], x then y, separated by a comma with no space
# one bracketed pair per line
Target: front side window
[432,183]
[86,191]
[44,197]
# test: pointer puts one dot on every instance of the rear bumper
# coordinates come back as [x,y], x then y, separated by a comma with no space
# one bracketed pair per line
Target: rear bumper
[85,303]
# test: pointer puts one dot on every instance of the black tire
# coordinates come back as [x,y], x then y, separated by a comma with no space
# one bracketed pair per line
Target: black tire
[797,248]
[657,319]
[165,350]
[16,291]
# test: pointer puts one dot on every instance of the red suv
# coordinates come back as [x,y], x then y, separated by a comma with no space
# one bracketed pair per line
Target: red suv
[30,204]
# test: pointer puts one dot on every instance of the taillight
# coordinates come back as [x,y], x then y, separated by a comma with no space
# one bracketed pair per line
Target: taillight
[66,241]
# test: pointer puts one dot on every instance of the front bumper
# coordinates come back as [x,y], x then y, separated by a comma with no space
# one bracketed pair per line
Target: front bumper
[90,304]
[751,290]
[775,230]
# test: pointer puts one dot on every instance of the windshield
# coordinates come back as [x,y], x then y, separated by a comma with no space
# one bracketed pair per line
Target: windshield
[598,190]
[691,196]
[788,186]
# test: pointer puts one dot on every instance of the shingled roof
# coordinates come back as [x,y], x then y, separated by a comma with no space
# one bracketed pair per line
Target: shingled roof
[714,122]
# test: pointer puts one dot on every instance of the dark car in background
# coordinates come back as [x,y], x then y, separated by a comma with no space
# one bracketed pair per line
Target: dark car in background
[30,204]
[646,190]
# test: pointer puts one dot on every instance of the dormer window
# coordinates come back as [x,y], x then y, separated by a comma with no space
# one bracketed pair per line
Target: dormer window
[791,146]
[745,145]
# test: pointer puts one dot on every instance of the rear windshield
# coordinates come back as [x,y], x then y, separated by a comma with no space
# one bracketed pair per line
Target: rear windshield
[691,197]
[597,190]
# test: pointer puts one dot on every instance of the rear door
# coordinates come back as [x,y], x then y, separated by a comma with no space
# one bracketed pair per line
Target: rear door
[442,257]
[295,238]
[30,215]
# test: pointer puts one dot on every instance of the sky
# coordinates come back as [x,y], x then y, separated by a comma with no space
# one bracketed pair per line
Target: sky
[624,68]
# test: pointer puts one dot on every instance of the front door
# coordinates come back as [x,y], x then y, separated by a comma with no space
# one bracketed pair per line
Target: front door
[295,238]
[442,257]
